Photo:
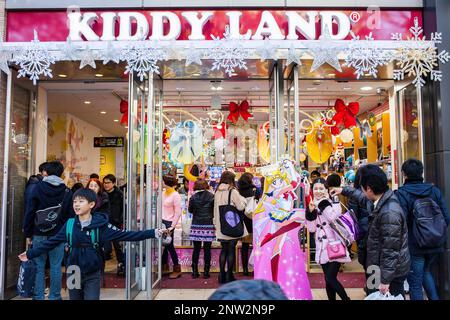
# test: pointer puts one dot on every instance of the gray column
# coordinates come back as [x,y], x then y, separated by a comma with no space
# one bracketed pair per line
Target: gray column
[436,117]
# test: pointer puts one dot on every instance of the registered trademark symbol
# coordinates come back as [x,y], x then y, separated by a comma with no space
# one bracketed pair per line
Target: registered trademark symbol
[355,16]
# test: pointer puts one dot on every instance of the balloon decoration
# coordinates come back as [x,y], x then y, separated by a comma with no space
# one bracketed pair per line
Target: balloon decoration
[346,136]
[187,173]
[264,142]
[318,143]
[345,116]
[237,110]
[186,142]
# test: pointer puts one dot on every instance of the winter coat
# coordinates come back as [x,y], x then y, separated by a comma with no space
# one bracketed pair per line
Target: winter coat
[102,204]
[406,195]
[387,241]
[248,191]
[201,205]
[83,253]
[116,204]
[220,199]
[45,195]
[361,206]
[318,221]
[31,184]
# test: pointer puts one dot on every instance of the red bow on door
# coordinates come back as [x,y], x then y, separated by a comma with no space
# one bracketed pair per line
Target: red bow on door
[124,111]
[236,110]
[345,114]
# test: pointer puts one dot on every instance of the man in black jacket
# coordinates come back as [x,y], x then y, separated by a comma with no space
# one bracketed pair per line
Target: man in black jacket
[116,217]
[422,260]
[387,240]
[48,193]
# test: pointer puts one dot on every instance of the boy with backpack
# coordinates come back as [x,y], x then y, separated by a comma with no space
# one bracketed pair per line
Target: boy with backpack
[84,235]
[427,218]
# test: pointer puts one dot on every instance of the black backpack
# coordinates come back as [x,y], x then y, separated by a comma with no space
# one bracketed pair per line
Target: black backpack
[47,219]
[231,220]
[428,226]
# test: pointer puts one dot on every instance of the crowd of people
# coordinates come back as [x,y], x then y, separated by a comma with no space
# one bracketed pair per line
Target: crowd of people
[400,233]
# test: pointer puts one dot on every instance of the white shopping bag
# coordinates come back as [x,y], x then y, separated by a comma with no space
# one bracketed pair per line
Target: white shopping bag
[379,296]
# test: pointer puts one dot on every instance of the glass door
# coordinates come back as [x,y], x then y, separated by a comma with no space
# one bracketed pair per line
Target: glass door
[17,151]
[154,186]
[135,216]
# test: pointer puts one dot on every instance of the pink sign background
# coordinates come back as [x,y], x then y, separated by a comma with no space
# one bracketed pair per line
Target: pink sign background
[53,26]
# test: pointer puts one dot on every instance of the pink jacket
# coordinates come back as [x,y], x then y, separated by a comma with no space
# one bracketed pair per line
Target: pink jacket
[171,207]
[323,219]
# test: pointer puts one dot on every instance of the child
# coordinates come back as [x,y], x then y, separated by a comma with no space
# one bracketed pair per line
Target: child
[89,232]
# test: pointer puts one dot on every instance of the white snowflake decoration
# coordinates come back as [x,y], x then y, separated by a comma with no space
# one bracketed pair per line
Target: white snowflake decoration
[143,59]
[419,58]
[4,57]
[365,57]
[34,60]
[267,50]
[228,53]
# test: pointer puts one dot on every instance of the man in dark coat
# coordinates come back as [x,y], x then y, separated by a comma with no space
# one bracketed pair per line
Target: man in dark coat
[116,212]
[422,260]
[387,240]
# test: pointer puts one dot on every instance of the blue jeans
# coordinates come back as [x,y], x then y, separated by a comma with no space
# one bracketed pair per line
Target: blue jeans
[56,256]
[90,287]
[420,276]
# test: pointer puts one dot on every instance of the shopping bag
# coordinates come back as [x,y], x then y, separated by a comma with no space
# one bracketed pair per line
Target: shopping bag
[27,277]
[379,296]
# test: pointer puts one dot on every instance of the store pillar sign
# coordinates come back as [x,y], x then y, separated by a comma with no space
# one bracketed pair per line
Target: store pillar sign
[108,142]
[102,25]
[166,25]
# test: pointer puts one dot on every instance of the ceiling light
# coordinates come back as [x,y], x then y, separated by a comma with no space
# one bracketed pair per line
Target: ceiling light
[219,88]
[331,74]
[87,102]
[99,75]
[103,112]
[62,75]
[180,89]
[115,120]
[366,88]
[311,88]
[347,88]
[196,74]
[234,74]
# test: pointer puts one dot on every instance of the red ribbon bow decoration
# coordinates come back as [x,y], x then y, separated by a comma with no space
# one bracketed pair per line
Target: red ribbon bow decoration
[345,115]
[241,109]
[124,110]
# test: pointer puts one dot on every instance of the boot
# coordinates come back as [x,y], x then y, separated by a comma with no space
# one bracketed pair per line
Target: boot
[176,272]
[195,273]
[245,271]
[166,269]
[222,278]
[206,271]
[230,277]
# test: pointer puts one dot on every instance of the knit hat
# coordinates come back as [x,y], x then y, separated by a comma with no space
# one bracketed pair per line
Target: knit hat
[249,290]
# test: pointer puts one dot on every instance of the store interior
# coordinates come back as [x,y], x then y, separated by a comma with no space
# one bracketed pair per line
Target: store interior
[81,105]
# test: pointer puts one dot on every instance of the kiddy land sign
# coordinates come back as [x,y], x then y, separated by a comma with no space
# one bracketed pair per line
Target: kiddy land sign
[200,25]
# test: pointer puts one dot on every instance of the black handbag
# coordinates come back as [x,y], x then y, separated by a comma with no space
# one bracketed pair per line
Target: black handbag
[231,220]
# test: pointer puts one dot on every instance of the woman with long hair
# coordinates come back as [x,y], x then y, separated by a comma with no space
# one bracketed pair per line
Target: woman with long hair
[226,190]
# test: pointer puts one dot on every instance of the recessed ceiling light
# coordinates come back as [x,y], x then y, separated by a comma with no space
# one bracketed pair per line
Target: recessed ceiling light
[347,88]
[196,74]
[234,74]
[180,89]
[311,88]
[115,120]
[103,112]
[87,102]
[331,74]
[219,88]
[99,75]
[62,75]
[366,88]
